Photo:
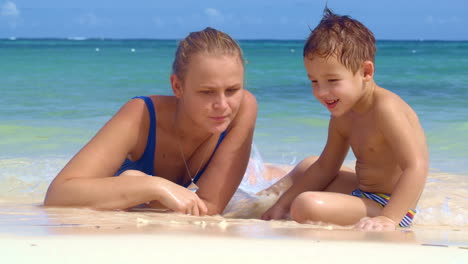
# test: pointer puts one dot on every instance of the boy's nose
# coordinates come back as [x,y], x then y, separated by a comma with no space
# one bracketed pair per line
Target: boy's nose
[320,92]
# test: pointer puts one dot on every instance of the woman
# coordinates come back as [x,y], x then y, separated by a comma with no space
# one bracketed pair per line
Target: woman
[158,145]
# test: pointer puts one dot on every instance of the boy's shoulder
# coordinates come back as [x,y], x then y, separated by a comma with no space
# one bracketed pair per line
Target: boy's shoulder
[389,107]
[386,107]
[385,100]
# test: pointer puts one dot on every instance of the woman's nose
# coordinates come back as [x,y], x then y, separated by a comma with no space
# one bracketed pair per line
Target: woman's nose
[220,101]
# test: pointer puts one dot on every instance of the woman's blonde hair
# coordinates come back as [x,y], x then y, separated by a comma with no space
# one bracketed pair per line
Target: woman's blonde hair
[209,41]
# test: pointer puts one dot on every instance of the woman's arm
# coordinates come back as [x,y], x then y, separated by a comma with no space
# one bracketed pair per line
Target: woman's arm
[87,180]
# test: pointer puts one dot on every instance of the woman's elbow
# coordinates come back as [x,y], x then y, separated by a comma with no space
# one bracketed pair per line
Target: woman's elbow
[53,197]
[58,195]
[51,200]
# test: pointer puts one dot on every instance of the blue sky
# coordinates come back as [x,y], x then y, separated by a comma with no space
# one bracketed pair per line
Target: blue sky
[242,19]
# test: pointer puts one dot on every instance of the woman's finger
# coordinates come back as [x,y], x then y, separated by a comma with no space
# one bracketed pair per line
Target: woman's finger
[203,210]
[195,210]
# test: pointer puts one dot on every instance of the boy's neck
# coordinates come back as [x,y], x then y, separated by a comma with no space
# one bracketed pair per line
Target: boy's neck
[367,98]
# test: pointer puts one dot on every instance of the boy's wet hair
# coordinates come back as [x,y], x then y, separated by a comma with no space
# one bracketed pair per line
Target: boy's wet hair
[341,36]
[208,41]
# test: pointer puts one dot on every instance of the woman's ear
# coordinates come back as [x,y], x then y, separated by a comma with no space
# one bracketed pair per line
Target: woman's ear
[368,70]
[176,84]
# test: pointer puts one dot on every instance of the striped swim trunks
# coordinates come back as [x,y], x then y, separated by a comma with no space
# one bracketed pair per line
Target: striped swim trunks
[382,199]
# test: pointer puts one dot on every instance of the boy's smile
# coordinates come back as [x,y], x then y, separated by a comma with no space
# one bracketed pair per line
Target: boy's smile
[335,86]
[331,103]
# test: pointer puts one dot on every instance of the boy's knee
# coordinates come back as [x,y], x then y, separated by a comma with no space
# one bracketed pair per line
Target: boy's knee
[306,207]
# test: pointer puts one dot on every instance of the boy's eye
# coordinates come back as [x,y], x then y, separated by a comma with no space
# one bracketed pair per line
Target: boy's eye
[333,80]
[206,91]
[313,81]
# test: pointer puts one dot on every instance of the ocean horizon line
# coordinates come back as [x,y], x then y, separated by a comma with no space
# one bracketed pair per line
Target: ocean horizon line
[177,39]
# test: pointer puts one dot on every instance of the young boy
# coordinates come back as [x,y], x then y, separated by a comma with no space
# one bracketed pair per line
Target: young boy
[381,129]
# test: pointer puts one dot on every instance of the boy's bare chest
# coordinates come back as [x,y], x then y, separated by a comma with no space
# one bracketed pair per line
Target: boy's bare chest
[367,141]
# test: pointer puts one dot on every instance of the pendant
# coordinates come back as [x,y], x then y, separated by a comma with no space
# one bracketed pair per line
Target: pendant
[193,187]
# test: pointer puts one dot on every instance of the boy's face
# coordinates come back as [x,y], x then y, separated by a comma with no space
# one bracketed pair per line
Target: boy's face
[335,86]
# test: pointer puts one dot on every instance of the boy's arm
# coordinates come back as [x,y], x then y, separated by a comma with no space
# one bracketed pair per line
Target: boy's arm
[406,138]
[318,176]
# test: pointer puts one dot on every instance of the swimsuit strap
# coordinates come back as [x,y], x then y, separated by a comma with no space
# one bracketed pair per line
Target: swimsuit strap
[147,159]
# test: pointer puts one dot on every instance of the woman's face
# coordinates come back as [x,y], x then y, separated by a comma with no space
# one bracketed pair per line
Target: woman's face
[212,91]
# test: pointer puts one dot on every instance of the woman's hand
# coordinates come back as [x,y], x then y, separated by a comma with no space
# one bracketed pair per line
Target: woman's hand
[173,197]
[181,200]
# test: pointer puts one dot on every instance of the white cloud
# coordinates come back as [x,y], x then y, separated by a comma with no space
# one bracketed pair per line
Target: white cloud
[9,9]
[180,21]
[284,20]
[441,21]
[158,22]
[214,16]
[212,12]
[10,13]
[250,20]
[88,19]
[429,20]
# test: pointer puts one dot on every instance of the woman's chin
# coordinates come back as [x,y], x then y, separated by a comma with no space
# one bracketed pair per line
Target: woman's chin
[219,128]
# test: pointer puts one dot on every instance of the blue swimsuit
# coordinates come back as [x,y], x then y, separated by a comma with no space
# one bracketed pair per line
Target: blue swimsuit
[146,162]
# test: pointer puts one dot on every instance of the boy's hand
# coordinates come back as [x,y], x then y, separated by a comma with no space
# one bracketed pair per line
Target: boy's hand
[275,212]
[378,223]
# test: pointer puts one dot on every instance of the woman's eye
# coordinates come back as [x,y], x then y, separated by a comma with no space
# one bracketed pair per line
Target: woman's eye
[333,80]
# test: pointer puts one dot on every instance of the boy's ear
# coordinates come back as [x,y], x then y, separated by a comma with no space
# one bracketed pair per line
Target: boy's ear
[176,84]
[368,70]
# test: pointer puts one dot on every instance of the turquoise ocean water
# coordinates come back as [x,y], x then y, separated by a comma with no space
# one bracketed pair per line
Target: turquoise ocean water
[56,93]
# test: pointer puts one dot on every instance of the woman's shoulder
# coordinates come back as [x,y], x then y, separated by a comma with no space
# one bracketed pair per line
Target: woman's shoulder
[250,98]
[248,111]
[138,103]
[249,102]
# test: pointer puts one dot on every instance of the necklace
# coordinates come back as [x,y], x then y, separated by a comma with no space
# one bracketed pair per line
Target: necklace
[192,187]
